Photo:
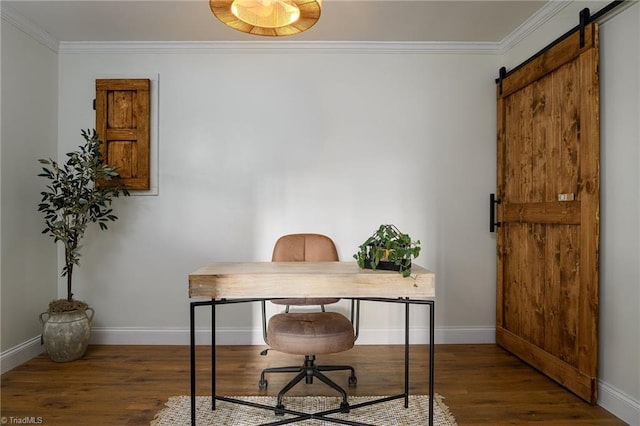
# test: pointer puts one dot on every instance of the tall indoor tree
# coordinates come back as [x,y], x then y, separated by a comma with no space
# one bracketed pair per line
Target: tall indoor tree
[79,192]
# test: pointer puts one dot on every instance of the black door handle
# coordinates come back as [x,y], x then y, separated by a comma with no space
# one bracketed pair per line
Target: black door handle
[492,212]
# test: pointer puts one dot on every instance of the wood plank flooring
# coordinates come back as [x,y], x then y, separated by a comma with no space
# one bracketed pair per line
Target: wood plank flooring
[127,385]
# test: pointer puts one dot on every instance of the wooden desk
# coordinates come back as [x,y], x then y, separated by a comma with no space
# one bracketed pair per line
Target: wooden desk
[239,282]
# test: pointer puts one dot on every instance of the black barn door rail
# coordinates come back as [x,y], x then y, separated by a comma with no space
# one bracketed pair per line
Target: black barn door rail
[585,19]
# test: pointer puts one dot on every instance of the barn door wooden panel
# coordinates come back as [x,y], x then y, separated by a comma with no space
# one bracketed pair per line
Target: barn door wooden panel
[548,187]
[123,124]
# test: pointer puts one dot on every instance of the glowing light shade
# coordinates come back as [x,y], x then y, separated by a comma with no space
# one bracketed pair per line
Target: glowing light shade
[271,18]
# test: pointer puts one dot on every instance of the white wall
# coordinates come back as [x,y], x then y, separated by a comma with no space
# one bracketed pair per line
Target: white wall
[619,335]
[252,146]
[29,132]
[620,205]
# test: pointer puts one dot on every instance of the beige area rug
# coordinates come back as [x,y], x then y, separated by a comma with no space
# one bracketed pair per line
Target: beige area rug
[390,413]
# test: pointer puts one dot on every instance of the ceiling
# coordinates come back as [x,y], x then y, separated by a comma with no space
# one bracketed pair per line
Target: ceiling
[341,20]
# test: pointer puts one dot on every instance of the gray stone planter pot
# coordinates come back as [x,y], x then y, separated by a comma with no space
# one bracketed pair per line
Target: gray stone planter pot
[66,334]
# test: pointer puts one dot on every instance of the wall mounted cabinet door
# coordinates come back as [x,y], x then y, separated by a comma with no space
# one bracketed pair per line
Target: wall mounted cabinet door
[123,123]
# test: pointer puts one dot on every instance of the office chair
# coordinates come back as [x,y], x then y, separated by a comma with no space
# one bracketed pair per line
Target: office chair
[307,333]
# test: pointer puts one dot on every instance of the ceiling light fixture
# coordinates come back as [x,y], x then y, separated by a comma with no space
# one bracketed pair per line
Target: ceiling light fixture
[272,18]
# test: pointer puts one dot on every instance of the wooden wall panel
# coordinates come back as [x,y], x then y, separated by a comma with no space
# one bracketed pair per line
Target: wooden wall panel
[123,124]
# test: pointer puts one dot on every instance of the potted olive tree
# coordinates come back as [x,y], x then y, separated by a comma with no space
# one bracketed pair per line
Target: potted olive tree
[78,192]
[388,249]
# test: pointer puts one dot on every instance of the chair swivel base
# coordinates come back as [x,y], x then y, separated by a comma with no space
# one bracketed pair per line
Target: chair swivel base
[308,371]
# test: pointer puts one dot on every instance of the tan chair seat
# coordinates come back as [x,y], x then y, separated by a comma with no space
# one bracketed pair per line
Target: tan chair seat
[310,333]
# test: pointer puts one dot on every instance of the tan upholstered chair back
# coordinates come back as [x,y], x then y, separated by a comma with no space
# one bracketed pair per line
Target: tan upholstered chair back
[304,248]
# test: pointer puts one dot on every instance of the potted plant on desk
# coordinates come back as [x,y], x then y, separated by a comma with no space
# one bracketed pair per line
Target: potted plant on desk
[78,192]
[388,249]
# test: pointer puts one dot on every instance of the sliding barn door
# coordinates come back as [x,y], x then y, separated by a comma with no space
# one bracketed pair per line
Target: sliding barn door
[548,191]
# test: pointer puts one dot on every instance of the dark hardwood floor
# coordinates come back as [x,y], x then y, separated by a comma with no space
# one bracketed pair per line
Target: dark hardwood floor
[127,385]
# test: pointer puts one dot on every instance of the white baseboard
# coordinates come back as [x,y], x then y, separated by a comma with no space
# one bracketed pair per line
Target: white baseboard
[618,403]
[20,354]
[141,336]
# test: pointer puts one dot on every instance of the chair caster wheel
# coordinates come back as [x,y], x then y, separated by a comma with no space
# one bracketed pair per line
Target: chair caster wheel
[262,384]
[353,380]
[344,407]
[279,410]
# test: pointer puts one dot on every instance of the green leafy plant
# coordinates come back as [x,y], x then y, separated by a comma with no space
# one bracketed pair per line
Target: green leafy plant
[388,248]
[79,192]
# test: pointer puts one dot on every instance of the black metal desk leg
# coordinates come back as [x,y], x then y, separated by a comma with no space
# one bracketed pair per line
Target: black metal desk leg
[432,352]
[192,354]
[213,354]
[192,335]
[406,355]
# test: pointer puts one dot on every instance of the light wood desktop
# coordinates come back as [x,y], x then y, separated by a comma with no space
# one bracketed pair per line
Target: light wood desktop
[306,279]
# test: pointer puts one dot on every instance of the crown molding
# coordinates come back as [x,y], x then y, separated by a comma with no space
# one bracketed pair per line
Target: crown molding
[279,46]
[29,28]
[535,21]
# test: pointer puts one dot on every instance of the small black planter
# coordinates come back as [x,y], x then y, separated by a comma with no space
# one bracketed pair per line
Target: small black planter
[385,265]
